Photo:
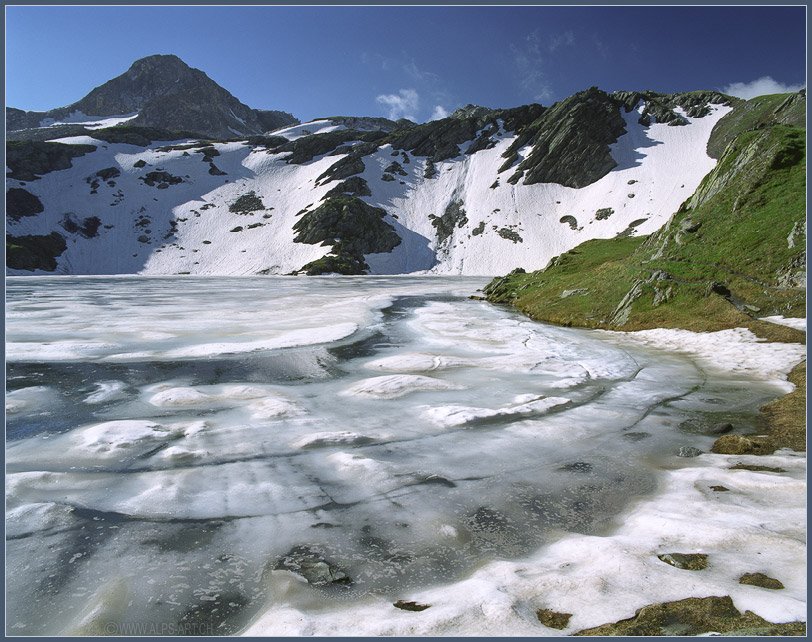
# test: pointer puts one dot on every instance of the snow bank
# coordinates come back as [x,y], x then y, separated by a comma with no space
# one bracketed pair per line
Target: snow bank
[798,324]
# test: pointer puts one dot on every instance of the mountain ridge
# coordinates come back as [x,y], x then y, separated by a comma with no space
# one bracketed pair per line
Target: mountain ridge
[163,92]
[477,192]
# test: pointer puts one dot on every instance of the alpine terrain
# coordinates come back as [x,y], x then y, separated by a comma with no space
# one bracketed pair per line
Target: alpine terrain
[161,171]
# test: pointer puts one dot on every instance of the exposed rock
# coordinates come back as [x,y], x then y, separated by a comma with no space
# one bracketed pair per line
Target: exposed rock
[214,170]
[720,489]
[431,170]
[630,228]
[20,203]
[313,567]
[553,619]
[685,561]
[739,445]
[689,451]
[576,292]
[352,227]
[32,252]
[570,141]
[28,160]
[761,580]
[510,235]
[411,606]
[108,172]
[604,213]
[346,167]
[694,616]
[454,216]
[395,168]
[569,220]
[478,229]
[87,227]
[355,185]
[623,310]
[246,204]
[160,178]
[165,93]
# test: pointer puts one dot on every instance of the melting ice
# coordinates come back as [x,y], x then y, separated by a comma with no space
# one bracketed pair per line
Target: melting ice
[180,448]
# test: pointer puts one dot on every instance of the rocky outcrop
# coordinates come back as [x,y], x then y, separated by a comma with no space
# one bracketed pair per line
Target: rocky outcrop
[32,252]
[28,160]
[352,227]
[570,142]
[165,93]
[20,203]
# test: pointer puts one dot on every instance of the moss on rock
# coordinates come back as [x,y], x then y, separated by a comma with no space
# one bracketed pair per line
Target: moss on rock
[685,561]
[694,616]
[553,619]
[761,580]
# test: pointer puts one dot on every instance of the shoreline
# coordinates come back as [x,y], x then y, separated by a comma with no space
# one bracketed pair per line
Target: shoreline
[745,512]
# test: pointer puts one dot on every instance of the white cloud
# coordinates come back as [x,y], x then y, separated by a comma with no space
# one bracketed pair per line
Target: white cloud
[418,74]
[403,104]
[439,112]
[564,39]
[530,65]
[760,87]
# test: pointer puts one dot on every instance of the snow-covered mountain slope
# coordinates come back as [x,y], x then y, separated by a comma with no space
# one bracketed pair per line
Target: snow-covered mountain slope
[230,208]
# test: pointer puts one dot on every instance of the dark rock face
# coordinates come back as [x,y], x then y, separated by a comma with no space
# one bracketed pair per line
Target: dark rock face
[20,203]
[87,227]
[160,179]
[33,252]
[352,227]
[355,185]
[454,216]
[166,93]
[411,606]
[570,141]
[28,160]
[660,108]
[246,204]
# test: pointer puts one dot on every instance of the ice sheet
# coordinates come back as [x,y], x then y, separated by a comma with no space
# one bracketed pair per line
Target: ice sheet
[482,463]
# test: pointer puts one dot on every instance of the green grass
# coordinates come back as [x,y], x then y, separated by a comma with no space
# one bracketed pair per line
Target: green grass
[740,219]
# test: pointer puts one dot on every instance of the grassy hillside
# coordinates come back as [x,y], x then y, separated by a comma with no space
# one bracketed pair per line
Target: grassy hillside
[734,252]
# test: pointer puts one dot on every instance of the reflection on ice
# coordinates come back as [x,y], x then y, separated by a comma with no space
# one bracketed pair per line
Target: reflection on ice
[193,449]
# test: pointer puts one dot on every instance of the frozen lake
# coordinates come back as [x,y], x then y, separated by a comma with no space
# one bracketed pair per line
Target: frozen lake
[176,447]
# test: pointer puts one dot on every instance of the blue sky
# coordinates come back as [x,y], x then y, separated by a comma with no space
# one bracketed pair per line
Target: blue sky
[417,62]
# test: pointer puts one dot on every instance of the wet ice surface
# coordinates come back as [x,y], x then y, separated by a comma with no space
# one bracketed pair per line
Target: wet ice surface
[176,447]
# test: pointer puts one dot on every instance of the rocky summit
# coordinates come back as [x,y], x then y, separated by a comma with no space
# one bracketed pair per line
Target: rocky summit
[160,91]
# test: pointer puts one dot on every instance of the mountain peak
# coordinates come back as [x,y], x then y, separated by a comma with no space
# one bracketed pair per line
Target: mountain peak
[158,62]
[162,91]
